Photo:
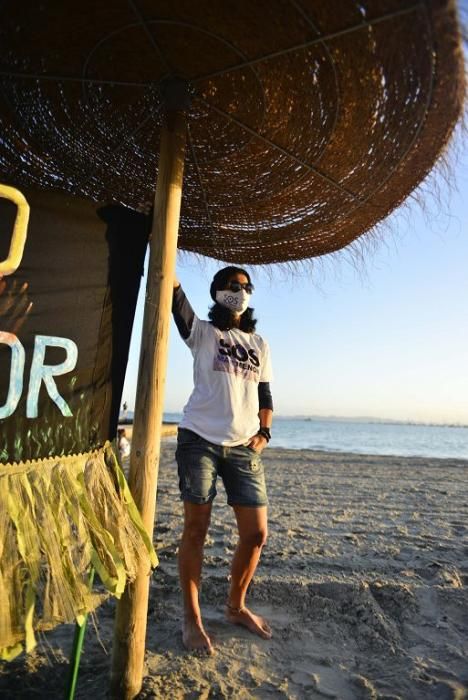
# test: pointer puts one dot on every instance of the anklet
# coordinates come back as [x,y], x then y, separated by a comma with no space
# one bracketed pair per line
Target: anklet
[234,610]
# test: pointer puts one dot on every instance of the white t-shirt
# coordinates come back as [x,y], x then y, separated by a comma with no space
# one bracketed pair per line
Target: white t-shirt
[228,365]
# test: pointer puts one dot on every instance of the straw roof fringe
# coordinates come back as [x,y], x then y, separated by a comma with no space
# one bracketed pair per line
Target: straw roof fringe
[299,140]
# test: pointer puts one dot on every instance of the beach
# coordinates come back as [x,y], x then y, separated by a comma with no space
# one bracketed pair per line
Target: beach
[363,579]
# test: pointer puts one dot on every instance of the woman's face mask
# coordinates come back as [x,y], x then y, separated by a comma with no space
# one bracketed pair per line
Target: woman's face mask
[235,301]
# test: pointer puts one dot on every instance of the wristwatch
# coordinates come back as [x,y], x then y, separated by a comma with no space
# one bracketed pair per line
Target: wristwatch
[265,432]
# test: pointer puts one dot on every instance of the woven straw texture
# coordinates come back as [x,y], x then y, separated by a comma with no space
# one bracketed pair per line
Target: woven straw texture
[310,120]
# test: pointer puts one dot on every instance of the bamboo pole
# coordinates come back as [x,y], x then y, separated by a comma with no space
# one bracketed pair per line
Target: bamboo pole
[132,609]
[78,640]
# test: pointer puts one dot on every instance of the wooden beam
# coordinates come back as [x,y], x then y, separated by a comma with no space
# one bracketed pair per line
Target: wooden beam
[132,609]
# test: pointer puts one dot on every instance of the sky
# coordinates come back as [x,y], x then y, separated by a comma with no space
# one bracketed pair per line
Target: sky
[385,337]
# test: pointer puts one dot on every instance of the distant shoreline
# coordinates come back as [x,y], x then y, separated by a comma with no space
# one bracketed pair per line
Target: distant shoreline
[168,429]
[371,421]
[342,419]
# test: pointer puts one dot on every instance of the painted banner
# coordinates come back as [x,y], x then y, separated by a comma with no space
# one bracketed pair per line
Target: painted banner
[66,315]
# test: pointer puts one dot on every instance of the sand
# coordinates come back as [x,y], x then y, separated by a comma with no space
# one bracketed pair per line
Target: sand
[364,581]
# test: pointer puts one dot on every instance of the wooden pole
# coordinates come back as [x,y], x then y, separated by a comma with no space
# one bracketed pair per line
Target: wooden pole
[130,623]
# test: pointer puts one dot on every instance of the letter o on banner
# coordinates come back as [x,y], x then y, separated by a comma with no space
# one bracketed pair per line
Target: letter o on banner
[16,373]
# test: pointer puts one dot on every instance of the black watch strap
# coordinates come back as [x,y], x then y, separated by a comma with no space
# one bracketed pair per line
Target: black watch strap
[265,432]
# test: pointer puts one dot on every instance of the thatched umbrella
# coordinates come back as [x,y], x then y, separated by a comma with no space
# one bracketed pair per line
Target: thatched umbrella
[306,124]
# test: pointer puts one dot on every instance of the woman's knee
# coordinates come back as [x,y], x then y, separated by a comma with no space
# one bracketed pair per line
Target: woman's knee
[195,532]
[255,538]
[196,522]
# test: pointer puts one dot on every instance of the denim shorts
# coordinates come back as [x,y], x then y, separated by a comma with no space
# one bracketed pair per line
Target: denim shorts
[201,462]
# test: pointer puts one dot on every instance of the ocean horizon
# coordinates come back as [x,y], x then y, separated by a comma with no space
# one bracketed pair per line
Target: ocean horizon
[372,436]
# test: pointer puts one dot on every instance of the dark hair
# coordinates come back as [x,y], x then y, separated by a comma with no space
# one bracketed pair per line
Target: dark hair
[219,315]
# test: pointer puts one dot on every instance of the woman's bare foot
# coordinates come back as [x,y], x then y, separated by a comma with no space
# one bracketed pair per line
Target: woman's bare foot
[195,638]
[245,617]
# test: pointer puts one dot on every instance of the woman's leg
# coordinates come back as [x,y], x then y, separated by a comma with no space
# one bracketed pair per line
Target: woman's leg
[253,530]
[196,522]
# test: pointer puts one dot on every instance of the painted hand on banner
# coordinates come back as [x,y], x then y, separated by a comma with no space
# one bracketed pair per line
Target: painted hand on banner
[15,305]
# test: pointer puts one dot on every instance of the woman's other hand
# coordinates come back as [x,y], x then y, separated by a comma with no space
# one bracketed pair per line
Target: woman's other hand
[258,443]
[176,282]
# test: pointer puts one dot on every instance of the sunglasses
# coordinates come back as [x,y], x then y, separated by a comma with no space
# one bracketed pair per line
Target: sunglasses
[237,286]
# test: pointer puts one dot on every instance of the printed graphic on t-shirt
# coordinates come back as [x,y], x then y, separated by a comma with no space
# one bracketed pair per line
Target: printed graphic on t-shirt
[237,359]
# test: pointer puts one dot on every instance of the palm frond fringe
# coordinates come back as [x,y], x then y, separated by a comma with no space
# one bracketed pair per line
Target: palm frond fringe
[59,516]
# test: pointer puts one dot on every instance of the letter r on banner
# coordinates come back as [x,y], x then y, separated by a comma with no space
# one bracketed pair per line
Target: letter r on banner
[45,373]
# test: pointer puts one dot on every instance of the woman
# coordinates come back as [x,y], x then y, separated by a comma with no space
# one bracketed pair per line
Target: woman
[225,427]
[123,444]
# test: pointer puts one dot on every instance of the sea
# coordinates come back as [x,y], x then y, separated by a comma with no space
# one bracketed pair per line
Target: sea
[366,437]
